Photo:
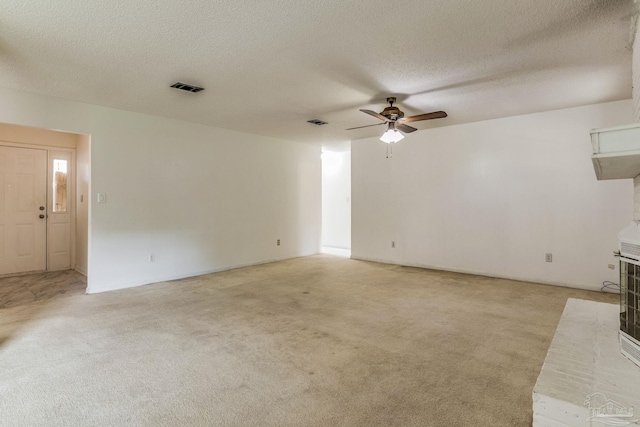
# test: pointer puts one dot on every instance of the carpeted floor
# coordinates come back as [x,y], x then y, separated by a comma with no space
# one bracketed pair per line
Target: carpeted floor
[315,341]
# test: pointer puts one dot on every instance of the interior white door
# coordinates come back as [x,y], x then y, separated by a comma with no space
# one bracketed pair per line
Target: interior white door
[23,201]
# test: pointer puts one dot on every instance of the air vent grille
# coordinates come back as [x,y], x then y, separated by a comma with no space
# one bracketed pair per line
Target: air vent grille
[187,87]
[317,122]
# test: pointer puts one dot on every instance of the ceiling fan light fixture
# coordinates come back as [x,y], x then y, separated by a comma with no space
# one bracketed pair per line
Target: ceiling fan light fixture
[391,135]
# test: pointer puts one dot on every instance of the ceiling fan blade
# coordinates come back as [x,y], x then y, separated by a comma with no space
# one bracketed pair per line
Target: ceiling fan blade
[360,127]
[376,115]
[426,116]
[405,128]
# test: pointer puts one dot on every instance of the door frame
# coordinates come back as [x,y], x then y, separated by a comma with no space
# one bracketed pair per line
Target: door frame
[71,205]
[71,200]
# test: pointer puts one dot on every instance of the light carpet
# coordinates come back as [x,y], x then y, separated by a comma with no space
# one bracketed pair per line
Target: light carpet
[314,341]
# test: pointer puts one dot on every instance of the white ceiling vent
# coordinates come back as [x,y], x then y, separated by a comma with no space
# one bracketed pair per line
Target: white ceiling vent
[187,87]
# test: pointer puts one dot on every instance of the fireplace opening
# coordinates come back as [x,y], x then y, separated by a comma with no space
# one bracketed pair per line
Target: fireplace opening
[630,292]
[630,299]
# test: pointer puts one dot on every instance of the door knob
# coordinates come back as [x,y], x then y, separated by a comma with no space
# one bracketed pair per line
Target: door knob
[41,216]
[41,208]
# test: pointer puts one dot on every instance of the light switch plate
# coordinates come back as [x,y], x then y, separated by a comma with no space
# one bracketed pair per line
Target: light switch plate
[102,198]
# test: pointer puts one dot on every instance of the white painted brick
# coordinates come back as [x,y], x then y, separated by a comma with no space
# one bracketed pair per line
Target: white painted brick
[584,358]
[636,208]
[635,74]
[636,195]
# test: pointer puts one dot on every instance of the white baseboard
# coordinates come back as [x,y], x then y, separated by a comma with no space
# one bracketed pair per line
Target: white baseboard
[185,275]
[482,273]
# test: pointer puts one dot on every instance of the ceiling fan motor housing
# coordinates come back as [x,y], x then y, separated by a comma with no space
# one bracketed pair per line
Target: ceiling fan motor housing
[392,113]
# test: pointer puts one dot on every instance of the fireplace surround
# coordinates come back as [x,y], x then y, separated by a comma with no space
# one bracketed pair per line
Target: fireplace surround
[630,292]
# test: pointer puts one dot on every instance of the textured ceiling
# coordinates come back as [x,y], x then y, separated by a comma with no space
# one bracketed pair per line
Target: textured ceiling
[268,66]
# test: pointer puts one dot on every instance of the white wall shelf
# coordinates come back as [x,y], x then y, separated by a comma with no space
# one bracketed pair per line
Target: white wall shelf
[616,152]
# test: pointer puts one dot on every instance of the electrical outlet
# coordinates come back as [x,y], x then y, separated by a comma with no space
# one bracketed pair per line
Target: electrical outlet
[548,257]
[393,244]
[152,258]
[612,267]
[278,242]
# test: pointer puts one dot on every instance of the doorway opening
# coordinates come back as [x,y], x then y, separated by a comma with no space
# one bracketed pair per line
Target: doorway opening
[44,212]
[336,200]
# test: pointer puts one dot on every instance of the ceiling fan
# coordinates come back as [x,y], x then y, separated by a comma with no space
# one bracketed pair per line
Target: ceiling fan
[396,121]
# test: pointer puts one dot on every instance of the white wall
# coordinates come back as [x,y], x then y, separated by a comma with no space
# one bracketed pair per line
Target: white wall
[199,198]
[336,198]
[83,177]
[493,197]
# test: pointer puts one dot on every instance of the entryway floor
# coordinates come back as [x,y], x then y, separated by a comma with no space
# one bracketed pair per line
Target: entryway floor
[20,290]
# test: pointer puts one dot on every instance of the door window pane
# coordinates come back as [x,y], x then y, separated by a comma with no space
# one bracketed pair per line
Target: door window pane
[59,185]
